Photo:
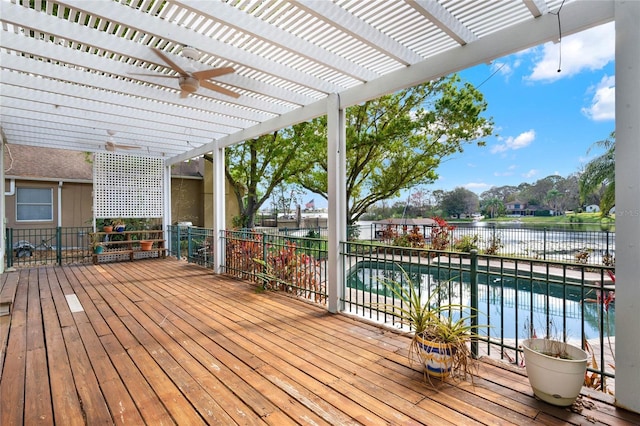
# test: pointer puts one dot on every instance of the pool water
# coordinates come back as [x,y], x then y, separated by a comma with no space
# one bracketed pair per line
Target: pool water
[505,307]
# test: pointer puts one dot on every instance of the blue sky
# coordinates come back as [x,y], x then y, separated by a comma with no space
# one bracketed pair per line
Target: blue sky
[545,120]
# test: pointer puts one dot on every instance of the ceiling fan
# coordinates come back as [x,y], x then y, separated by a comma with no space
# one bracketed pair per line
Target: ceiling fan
[110,145]
[191,80]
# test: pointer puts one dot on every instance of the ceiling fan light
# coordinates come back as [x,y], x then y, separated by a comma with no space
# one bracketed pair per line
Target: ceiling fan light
[191,53]
[189,84]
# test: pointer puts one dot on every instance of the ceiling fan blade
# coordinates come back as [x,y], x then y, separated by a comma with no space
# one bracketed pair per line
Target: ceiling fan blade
[214,72]
[154,75]
[169,62]
[111,146]
[212,86]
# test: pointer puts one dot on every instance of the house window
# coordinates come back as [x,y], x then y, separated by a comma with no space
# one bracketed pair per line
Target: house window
[34,204]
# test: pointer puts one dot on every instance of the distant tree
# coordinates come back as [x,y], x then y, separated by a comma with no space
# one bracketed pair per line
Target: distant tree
[255,168]
[502,193]
[493,206]
[599,173]
[460,201]
[397,142]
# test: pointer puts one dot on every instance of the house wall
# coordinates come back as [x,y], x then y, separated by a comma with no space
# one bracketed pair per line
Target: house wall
[232,207]
[191,200]
[76,204]
[187,201]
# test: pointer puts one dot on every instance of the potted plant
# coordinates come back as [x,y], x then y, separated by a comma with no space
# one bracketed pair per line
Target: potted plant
[441,332]
[556,369]
[145,245]
[96,244]
[118,225]
[107,226]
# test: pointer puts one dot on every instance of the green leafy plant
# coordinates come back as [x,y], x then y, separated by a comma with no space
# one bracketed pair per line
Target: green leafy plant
[432,321]
[466,243]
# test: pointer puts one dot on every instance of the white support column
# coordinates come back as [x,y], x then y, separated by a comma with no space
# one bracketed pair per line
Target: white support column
[219,207]
[166,203]
[3,224]
[336,151]
[627,17]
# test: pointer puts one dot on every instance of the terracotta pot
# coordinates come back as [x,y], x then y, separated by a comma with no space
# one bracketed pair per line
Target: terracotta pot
[145,245]
[107,228]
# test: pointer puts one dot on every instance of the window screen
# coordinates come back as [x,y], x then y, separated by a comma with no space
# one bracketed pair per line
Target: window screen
[34,204]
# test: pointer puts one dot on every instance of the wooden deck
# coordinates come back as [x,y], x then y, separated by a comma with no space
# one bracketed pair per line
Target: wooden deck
[165,342]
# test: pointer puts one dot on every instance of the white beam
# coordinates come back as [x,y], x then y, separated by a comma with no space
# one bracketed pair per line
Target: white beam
[627,204]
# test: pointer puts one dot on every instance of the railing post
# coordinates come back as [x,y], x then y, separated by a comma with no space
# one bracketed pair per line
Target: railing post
[189,244]
[9,247]
[59,245]
[264,256]
[178,254]
[544,244]
[473,280]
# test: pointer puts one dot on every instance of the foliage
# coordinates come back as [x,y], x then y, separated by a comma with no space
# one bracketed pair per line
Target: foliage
[255,168]
[397,141]
[582,256]
[413,238]
[431,320]
[603,304]
[599,174]
[441,234]
[286,269]
[459,201]
[466,243]
[494,244]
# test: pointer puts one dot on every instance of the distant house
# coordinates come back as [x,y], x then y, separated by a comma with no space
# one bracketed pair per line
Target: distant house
[517,208]
[48,187]
[592,208]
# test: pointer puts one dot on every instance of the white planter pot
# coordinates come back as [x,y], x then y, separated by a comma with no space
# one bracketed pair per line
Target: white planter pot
[555,380]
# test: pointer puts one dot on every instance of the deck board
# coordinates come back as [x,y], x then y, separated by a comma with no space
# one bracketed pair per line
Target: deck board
[164,342]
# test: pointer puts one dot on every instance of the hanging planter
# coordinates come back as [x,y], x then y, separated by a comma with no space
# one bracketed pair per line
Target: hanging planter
[145,245]
[556,370]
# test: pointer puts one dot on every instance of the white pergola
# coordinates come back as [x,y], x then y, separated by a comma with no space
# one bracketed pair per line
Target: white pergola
[67,79]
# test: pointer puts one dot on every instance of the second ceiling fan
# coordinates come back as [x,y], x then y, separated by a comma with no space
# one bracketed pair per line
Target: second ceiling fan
[190,81]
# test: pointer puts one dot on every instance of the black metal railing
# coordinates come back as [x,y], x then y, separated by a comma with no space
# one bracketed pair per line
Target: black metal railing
[562,245]
[192,243]
[47,246]
[514,298]
[290,263]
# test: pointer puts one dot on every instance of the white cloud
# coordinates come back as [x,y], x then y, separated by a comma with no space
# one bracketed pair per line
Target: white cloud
[476,186]
[603,103]
[591,49]
[521,141]
[531,173]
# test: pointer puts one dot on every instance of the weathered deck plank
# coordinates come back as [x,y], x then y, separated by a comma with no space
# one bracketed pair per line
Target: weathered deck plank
[164,342]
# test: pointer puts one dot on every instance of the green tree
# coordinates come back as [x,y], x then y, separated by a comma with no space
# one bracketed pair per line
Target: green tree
[599,173]
[493,206]
[397,141]
[255,168]
[460,201]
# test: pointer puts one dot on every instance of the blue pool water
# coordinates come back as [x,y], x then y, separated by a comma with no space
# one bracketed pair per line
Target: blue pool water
[503,305]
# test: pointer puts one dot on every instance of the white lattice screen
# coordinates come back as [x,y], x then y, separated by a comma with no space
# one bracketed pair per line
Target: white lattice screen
[127,186]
